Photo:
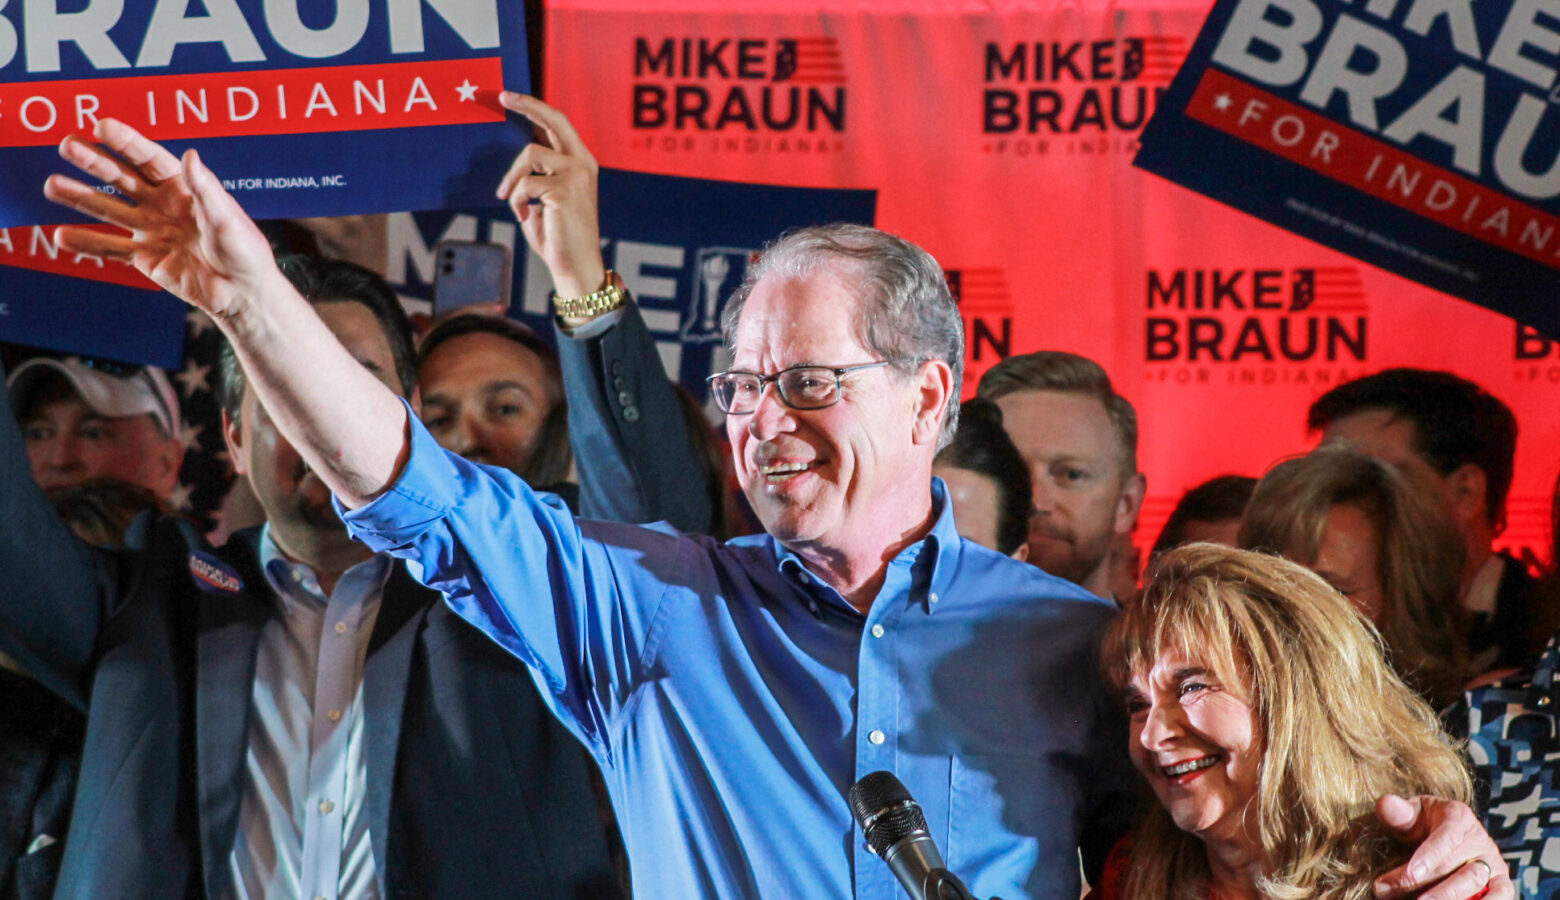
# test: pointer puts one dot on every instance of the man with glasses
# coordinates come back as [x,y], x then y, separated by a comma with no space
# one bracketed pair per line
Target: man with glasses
[732,692]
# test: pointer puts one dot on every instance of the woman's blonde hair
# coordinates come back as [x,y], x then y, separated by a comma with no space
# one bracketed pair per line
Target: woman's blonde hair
[1420,551]
[1337,728]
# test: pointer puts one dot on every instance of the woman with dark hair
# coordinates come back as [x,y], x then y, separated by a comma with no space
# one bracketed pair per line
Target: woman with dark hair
[987,480]
[1383,543]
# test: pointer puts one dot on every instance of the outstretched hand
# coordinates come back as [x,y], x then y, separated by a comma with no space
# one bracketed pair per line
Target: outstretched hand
[1454,857]
[559,174]
[186,233]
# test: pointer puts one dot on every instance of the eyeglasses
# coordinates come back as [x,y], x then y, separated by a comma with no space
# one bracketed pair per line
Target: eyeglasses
[801,387]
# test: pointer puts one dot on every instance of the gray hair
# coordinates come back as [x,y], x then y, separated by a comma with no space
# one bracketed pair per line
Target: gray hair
[908,313]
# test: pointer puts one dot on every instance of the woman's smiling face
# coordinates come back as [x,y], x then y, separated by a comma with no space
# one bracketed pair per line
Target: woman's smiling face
[1196,740]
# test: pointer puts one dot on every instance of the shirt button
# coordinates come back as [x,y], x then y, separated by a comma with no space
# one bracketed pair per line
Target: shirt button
[334,715]
[877,737]
[877,631]
[341,627]
[933,598]
[326,807]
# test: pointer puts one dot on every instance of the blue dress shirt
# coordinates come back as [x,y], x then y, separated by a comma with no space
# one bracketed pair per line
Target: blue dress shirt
[733,698]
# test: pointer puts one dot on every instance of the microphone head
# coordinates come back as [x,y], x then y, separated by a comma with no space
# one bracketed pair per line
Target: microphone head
[885,810]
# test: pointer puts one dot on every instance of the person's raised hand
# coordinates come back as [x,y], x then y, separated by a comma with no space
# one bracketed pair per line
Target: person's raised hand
[1454,857]
[557,172]
[186,233]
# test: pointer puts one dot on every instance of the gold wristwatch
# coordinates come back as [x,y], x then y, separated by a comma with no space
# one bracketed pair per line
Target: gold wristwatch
[593,304]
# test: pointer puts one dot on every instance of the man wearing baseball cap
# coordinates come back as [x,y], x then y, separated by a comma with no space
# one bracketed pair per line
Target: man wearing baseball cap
[85,419]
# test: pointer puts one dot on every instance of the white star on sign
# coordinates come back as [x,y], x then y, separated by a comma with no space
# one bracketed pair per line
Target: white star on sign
[467,90]
[1221,102]
[198,322]
[189,436]
[194,378]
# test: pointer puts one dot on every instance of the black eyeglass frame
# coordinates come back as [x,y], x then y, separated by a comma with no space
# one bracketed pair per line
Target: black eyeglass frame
[838,372]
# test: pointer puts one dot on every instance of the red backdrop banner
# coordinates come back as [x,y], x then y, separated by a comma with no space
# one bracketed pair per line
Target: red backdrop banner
[1000,137]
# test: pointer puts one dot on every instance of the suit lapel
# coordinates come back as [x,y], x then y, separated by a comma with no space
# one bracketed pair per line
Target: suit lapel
[385,672]
[229,635]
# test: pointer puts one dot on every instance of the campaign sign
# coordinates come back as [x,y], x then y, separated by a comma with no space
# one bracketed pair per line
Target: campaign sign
[62,301]
[681,245]
[1418,135]
[303,109]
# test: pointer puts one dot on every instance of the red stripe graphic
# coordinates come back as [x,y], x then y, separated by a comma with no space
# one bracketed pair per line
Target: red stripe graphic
[1375,167]
[34,248]
[274,101]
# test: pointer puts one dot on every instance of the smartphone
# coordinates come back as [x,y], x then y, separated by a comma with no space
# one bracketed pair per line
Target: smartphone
[469,272]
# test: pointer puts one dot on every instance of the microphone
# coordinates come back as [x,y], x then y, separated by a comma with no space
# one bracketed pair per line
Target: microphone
[895,829]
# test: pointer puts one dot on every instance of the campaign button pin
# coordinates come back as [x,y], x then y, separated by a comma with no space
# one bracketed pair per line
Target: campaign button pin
[212,575]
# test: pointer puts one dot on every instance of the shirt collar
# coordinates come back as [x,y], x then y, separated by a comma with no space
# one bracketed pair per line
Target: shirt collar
[933,555]
[296,584]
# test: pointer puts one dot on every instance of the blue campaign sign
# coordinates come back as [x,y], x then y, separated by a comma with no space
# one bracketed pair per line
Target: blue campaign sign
[681,245]
[303,109]
[53,299]
[1417,135]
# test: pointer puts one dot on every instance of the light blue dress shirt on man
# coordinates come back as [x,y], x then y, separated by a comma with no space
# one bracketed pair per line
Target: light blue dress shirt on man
[303,821]
[732,698]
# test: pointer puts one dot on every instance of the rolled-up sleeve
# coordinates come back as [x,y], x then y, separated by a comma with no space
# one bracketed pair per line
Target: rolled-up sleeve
[577,601]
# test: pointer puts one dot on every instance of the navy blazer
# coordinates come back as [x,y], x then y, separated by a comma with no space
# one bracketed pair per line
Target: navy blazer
[474,790]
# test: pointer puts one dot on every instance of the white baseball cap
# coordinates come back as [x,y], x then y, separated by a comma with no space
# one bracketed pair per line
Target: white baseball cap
[109,389]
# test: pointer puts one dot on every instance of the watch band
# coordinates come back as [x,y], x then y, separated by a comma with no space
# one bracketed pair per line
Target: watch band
[594,303]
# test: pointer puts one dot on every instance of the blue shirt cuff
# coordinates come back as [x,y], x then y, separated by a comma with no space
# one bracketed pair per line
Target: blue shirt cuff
[419,497]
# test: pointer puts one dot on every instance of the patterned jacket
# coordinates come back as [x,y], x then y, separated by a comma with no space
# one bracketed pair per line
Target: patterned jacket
[1514,746]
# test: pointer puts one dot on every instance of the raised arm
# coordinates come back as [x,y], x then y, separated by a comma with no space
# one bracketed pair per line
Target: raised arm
[191,237]
[634,455]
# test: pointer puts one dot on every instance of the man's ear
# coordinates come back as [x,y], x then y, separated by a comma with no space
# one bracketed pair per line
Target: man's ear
[1130,503]
[935,389]
[233,436]
[1466,491]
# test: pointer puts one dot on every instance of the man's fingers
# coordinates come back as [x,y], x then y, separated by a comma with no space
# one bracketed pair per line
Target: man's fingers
[555,126]
[95,161]
[67,191]
[1470,880]
[533,160]
[93,242]
[151,158]
[1452,836]
[215,209]
[1401,814]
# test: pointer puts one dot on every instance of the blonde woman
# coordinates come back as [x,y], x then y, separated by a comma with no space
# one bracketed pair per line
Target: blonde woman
[1383,543]
[1267,723]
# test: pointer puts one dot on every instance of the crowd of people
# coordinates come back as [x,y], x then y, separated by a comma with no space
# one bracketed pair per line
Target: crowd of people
[499,630]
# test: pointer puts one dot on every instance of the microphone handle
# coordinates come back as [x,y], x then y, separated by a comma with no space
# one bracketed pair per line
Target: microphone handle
[919,868]
[944,885]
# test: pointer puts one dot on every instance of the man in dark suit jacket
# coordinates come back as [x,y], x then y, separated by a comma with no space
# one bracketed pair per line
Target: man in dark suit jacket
[469,788]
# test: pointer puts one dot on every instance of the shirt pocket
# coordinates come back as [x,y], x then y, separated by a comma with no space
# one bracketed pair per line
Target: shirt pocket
[1013,819]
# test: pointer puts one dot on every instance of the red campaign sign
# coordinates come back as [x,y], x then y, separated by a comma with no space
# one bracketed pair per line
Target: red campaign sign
[276,101]
[1003,144]
[33,248]
[1321,144]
